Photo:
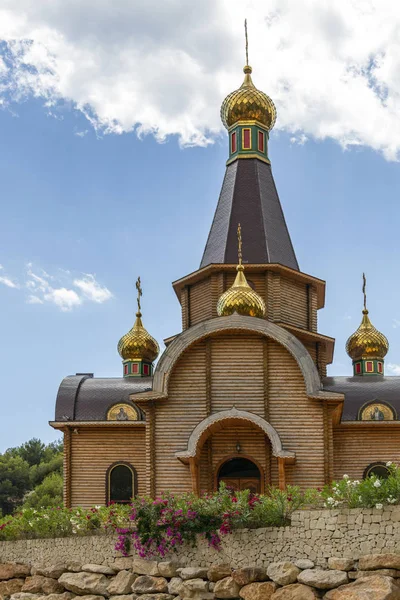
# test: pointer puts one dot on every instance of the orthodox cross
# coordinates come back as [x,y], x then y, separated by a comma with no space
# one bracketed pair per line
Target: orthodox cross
[364,291]
[239,236]
[140,293]
[247,42]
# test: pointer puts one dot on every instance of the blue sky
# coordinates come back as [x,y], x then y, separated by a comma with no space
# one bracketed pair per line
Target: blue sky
[84,210]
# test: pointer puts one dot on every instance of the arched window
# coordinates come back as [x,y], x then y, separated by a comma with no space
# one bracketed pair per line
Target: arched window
[121,483]
[377,411]
[377,468]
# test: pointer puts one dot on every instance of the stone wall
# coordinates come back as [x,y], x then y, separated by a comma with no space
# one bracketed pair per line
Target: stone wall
[314,534]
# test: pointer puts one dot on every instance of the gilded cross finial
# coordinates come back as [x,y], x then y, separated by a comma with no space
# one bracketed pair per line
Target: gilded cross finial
[140,293]
[239,236]
[364,291]
[247,42]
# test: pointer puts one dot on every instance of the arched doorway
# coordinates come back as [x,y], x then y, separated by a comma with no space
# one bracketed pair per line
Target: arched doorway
[240,474]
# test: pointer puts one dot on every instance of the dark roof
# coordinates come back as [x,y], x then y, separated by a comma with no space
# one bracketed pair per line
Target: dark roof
[249,197]
[85,398]
[363,389]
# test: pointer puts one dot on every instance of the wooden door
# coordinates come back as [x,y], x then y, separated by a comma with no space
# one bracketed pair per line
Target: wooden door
[238,484]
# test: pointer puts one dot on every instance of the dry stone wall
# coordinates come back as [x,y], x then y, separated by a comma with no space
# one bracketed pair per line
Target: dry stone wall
[314,535]
[373,577]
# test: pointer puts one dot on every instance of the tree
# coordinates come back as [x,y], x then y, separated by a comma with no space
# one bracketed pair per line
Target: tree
[32,451]
[14,482]
[46,495]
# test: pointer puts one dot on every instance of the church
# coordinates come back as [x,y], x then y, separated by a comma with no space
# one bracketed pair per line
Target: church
[241,395]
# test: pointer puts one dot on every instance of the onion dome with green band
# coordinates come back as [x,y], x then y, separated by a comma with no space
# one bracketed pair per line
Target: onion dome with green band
[367,346]
[137,348]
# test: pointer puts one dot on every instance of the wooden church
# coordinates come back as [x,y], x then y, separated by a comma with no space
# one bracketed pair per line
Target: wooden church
[241,394]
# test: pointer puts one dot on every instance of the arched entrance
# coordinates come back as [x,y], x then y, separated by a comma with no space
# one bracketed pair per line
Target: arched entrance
[240,474]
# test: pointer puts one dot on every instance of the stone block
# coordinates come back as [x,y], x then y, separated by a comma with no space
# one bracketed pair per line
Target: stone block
[122,583]
[247,575]
[322,580]
[283,573]
[258,591]
[296,591]
[40,584]
[85,583]
[13,571]
[226,588]
[341,564]
[145,567]
[369,588]
[192,572]
[147,584]
[379,561]
[219,571]
[11,586]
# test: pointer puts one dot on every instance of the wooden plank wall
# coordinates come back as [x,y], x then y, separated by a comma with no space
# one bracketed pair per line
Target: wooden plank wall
[178,416]
[287,300]
[237,373]
[200,301]
[93,450]
[294,303]
[356,447]
[237,379]
[297,419]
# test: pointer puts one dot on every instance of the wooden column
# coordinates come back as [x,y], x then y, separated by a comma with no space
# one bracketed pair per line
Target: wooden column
[150,450]
[326,442]
[282,474]
[208,376]
[67,467]
[194,472]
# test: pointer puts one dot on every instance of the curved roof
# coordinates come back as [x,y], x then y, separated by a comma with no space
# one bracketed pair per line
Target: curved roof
[82,397]
[359,390]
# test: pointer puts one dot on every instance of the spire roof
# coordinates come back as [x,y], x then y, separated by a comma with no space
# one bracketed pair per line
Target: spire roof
[249,196]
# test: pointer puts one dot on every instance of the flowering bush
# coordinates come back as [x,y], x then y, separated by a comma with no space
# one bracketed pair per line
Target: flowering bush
[155,527]
[371,492]
[60,522]
[169,521]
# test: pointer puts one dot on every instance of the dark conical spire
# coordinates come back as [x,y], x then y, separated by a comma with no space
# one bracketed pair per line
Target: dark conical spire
[248,196]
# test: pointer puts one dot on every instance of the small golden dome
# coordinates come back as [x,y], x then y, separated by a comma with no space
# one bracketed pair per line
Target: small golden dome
[367,342]
[241,298]
[248,104]
[138,343]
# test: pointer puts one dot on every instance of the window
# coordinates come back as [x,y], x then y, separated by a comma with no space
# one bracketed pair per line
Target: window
[125,369]
[135,368]
[233,142]
[377,468]
[145,369]
[120,484]
[246,141]
[370,367]
[261,141]
[358,368]
[380,367]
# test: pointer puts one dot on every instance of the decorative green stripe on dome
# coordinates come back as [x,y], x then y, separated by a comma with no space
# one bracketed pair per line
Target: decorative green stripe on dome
[248,140]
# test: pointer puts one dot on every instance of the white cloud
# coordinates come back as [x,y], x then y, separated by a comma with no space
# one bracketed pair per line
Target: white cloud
[92,290]
[7,281]
[42,287]
[395,323]
[34,299]
[163,68]
[65,299]
[393,368]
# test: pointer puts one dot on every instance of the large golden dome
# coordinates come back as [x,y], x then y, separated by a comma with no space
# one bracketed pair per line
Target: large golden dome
[138,343]
[248,104]
[241,298]
[367,342]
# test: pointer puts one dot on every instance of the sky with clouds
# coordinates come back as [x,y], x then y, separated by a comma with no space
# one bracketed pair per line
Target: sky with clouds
[112,155]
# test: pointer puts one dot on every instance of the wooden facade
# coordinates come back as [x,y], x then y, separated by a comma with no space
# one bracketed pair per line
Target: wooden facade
[230,370]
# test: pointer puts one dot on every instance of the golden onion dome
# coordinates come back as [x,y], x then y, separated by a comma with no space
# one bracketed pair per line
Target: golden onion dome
[241,298]
[138,343]
[248,104]
[367,342]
